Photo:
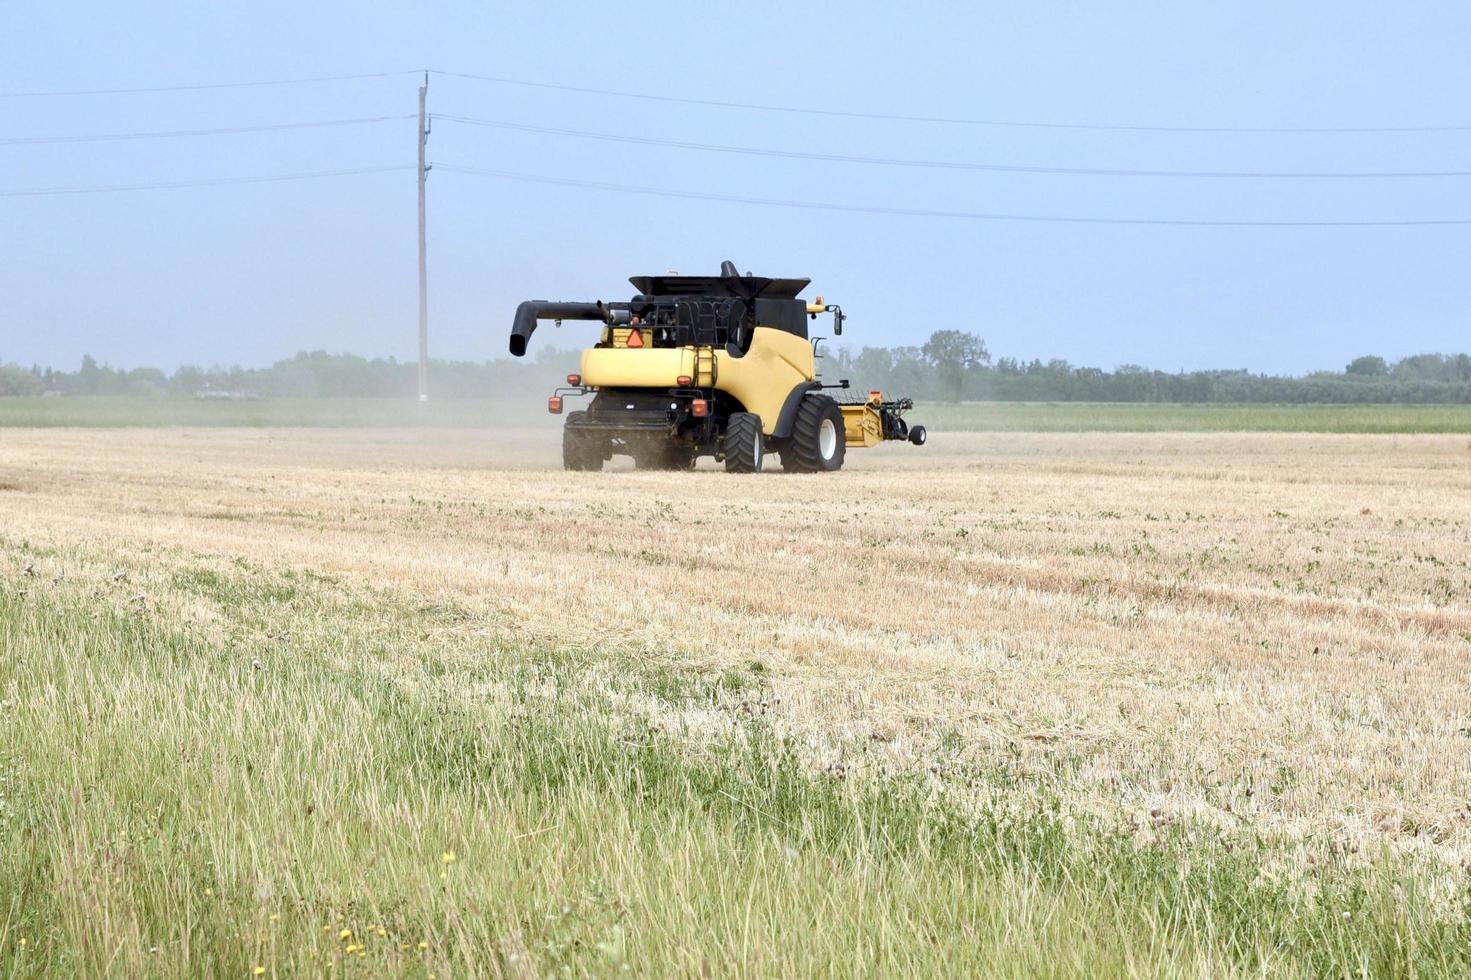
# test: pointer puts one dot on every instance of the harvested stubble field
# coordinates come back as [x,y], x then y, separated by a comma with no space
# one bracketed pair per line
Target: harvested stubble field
[415,702]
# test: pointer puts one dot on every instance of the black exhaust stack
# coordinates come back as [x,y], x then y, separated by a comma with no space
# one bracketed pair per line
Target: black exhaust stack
[539,309]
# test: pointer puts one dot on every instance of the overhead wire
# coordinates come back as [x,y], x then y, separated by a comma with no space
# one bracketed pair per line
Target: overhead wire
[200,87]
[203,182]
[929,164]
[742,150]
[735,104]
[936,212]
[946,120]
[174,133]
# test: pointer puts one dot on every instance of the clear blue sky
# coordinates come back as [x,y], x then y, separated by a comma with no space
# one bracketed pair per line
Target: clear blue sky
[247,274]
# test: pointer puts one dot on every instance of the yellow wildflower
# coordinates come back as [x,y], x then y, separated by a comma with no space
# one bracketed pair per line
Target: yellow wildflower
[345,934]
[448,857]
[423,945]
[259,971]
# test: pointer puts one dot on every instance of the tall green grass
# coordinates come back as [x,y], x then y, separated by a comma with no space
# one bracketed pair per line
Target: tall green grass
[322,788]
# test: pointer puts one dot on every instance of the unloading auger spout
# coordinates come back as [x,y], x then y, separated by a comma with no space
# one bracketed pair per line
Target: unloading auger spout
[534,310]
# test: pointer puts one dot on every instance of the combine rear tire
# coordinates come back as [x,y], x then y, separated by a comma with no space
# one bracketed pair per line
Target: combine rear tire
[743,444]
[819,442]
[580,450]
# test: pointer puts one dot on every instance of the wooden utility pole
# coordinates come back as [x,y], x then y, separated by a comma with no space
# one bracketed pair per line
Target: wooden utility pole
[423,261]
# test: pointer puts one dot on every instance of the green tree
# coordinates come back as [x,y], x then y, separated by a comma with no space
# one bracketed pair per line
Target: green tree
[1426,367]
[953,354]
[89,378]
[188,379]
[16,380]
[1369,366]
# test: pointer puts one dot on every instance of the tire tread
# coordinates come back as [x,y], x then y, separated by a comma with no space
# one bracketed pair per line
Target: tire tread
[802,452]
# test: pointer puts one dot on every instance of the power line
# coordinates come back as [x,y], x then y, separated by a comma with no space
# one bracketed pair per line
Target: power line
[927,213]
[932,164]
[724,104]
[207,182]
[172,133]
[203,87]
[947,120]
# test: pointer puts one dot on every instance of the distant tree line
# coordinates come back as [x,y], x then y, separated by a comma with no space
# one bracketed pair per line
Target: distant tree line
[955,366]
[951,365]
[314,374]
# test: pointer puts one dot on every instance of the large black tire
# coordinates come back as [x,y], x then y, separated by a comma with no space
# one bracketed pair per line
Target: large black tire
[743,446]
[818,442]
[581,450]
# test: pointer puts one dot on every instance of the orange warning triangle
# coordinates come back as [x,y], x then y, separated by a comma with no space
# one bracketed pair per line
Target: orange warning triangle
[635,339]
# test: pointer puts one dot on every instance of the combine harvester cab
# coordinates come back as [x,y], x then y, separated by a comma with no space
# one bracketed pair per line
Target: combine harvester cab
[717,366]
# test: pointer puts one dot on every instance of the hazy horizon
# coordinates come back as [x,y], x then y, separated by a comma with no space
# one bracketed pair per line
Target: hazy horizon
[530,361]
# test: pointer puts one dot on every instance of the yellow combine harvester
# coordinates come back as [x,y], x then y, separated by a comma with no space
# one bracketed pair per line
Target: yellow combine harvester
[710,366]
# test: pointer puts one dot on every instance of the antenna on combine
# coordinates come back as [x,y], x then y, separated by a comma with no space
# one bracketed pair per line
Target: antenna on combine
[423,260]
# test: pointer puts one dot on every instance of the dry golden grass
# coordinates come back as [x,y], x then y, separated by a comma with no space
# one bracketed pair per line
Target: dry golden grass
[1258,632]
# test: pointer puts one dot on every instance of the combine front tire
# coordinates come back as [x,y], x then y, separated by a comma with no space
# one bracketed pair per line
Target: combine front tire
[580,450]
[742,447]
[819,442]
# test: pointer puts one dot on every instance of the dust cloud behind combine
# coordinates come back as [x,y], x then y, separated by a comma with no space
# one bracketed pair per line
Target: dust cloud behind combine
[1259,632]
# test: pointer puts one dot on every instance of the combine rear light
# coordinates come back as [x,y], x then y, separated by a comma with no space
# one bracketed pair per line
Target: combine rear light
[575,380]
[554,404]
[683,380]
[875,396]
[635,339]
[699,408]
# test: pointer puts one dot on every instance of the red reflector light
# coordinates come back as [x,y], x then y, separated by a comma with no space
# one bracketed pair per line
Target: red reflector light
[699,408]
[554,404]
[574,379]
[683,380]
[875,396]
[635,339]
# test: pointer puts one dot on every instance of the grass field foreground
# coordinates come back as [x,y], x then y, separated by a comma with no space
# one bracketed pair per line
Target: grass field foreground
[1131,705]
[357,797]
